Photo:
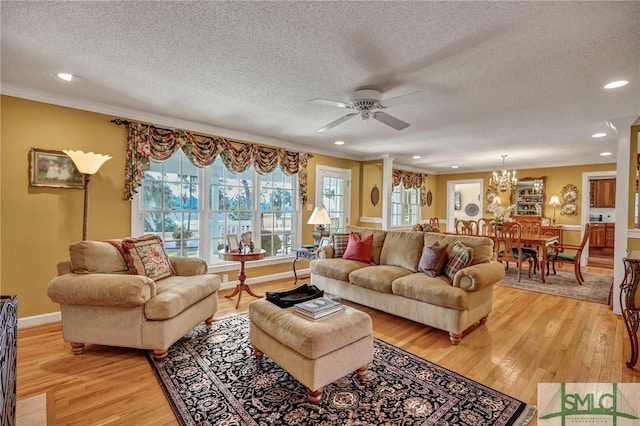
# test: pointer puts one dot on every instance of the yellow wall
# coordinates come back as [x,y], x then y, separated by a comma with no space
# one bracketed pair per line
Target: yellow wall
[39,223]
[371,176]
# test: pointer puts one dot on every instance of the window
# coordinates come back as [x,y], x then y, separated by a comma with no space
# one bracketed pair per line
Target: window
[405,206]
[194,209]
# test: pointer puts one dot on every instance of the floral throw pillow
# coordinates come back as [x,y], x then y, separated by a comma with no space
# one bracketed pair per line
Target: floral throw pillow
[460,257]
[146,256]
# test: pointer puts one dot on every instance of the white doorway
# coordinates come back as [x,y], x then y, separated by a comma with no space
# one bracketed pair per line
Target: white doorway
[464,201]
[587,210]
[333,192]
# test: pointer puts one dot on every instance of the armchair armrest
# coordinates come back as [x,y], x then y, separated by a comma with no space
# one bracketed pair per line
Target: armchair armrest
[101,289]
[189,266]
[478,276]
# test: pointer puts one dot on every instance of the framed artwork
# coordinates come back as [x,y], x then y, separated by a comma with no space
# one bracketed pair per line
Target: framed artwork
[325,241]
[232,243]
[545,221]
[54,169]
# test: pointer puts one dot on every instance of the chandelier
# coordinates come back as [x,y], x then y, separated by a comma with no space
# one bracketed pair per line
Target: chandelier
[504,179]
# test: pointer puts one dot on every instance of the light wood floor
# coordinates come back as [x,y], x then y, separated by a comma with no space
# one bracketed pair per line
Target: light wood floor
[529,338]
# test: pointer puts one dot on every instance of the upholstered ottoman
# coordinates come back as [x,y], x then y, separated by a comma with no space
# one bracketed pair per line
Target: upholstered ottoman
[316,353]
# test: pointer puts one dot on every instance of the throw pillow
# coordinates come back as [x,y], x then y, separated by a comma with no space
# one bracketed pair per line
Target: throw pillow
[146,256]
[340,244]
[359,249]
[433,259]
[460,257]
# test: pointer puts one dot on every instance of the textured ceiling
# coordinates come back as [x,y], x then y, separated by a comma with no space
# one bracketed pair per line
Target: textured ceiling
[518,78]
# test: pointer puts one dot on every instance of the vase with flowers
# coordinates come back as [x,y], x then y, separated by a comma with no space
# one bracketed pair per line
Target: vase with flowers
[501,213]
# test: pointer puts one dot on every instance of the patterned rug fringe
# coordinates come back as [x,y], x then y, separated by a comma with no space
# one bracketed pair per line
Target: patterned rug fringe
[211,377]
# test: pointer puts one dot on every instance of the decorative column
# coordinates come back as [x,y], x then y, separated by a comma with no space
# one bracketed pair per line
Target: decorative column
[387,188]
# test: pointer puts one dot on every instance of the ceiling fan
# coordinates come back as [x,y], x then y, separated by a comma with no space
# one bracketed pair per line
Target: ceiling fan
[367,103]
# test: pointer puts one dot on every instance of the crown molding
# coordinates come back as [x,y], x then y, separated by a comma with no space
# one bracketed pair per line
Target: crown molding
[157,119]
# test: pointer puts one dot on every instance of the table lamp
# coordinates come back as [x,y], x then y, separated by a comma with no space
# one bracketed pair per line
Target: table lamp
[554,201]
[88,164]
[320,218]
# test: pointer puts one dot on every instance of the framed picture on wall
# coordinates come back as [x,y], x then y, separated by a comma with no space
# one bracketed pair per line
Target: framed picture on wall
[53,168]
[457,205]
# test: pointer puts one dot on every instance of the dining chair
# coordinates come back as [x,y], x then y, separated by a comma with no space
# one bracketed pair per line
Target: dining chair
[509,246]
[566,253]
[531,226]
[466,227]
[435,222]
[485,228]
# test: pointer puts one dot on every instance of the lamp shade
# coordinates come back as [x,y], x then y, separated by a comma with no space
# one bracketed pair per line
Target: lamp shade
[319,217]
[87,163]
[555,200]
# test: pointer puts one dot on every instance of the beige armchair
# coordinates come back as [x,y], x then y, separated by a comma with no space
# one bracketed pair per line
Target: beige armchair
[101,301]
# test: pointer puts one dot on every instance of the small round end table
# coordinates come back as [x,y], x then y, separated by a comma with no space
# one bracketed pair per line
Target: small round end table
[242,258]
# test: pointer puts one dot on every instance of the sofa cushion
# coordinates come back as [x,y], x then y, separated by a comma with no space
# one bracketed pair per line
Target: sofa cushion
[340,241]
[338,269]
[460,256]
[433,290]
[359,248]
[97,257]
[175,294]
[378,240]
[482,246]
[402,249]
[146,256]
[433,260]
[377,277]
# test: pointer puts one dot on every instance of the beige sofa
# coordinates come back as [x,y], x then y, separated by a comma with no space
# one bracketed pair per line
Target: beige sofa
[102,303]
[394,285]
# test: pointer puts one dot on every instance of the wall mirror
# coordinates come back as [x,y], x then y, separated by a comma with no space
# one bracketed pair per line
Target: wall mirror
[529,196]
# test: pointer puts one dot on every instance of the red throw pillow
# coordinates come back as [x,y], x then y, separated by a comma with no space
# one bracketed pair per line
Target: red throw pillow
[358,249]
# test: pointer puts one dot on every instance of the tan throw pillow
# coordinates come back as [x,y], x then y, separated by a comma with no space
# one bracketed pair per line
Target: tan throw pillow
[433,260]
[460,257]
[146,256]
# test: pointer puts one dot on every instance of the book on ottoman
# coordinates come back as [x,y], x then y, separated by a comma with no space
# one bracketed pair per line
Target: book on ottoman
[317,308]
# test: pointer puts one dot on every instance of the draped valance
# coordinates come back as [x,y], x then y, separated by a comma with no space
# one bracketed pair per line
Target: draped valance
[411,180]
[146,142]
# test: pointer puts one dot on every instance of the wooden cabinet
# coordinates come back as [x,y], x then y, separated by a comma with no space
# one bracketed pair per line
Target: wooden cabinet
[597,236]
[610,235]
[602,193]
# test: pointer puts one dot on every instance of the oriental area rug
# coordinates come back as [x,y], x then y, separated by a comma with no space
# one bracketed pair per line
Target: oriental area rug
[211,377]
[596,287]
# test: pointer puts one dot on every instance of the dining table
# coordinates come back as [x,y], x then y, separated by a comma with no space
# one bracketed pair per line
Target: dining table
[541,242]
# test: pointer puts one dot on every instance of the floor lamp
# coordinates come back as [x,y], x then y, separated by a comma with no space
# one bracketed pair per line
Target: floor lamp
[88,164]
[320,218]
[554,201]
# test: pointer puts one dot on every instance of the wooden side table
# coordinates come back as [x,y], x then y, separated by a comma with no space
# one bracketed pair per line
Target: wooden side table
[242,258]
[631,311]
[302,253]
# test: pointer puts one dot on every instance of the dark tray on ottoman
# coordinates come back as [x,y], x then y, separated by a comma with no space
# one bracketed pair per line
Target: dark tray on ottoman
[286,299]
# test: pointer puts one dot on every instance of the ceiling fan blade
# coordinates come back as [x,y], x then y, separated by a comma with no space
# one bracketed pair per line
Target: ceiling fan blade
[385,118]
[338,121]
[404,99]
[331,103]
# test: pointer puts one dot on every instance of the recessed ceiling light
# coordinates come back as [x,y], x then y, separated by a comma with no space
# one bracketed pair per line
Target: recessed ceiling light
[616,84]
[416,157]
[65,76]
[598,135]
[454,167]
[339,142]
[604,154]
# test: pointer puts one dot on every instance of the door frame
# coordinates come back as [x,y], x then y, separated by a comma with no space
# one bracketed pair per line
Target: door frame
[584,217]
[451,194]
[323,171]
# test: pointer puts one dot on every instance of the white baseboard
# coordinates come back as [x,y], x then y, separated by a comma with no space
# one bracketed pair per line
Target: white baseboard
[39,320]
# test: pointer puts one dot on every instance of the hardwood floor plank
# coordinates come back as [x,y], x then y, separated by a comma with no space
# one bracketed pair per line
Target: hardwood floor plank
[529,338]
